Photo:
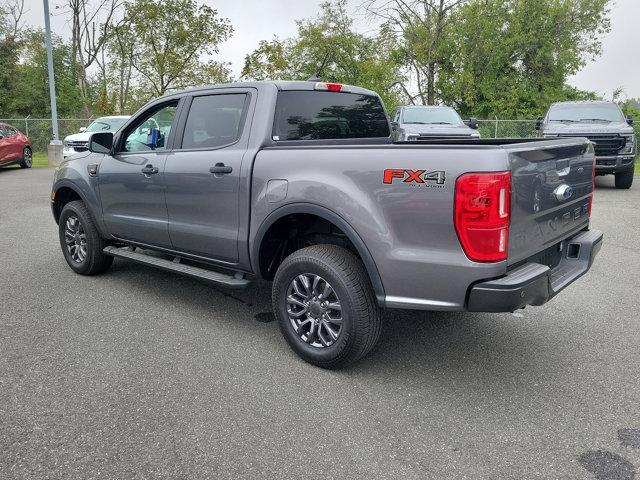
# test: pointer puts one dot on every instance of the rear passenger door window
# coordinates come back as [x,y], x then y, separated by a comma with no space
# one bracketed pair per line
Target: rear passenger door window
[214,121]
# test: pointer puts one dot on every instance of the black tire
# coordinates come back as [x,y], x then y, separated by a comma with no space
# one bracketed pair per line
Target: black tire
[624,180]
[93,261]
[27,158]
[361,320]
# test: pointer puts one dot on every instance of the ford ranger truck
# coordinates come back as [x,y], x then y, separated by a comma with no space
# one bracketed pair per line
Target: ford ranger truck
[298,183]
[605,125]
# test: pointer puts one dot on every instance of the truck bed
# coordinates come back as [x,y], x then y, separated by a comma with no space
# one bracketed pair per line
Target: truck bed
[409,226]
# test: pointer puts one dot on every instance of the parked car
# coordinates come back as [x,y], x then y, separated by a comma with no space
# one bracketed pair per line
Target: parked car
[417,122]
[15,147]
[605,125]
[77,142]
[299,183]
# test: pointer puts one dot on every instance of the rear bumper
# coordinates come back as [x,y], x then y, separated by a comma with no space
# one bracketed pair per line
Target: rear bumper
[533,283]
[619,163]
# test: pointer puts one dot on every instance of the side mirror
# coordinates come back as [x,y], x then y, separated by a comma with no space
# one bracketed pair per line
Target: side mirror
[394,125]
[629,119]
[1,137]
[101,142]
[83,129]
[538,123]
[473,123]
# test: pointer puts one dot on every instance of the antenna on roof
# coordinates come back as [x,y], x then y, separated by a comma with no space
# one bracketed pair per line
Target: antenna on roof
[317,76]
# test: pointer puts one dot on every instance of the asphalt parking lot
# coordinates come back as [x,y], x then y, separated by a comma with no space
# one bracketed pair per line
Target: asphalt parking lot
[142,374]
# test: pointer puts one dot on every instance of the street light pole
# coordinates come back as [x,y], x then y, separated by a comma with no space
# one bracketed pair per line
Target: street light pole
[55,147]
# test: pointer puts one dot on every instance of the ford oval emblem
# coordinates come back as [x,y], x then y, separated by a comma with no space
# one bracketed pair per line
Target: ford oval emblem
[563,192]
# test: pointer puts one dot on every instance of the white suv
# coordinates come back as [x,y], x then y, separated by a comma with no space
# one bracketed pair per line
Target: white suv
[79,142]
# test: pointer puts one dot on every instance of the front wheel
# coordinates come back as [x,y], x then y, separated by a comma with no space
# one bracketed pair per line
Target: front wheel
[325,306]
[624,180]
[80,240]
[27,158]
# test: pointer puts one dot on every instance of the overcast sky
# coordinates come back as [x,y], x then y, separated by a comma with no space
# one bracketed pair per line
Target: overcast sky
[255,20]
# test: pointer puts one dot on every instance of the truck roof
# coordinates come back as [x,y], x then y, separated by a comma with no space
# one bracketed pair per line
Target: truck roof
[584,102]
[279,84]
[428,107]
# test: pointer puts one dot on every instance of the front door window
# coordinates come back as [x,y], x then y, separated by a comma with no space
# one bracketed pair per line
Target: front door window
[152,131]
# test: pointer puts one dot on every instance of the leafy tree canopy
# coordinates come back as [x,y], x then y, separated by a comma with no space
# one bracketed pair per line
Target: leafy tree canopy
[168,40]
[512,58]
[330,39]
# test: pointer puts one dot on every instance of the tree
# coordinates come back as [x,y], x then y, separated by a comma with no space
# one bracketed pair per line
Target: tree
[166,41]
[12,14]
[630,107]
[11,26]
[120,68]
[329,40]
[512,58]
[91,25]
[29,94]
[271,60]
[421,27]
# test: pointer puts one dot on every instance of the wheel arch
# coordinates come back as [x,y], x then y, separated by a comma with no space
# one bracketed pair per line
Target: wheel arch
[65,191]
[334,219]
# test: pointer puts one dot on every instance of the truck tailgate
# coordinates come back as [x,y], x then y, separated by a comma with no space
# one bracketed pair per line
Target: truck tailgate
[552,183]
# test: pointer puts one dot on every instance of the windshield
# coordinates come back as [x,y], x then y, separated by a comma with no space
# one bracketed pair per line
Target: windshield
[106,124]
[596,112]
[438,116]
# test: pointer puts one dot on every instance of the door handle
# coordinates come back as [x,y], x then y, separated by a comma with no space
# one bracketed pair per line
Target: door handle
[221,169]
[150,170]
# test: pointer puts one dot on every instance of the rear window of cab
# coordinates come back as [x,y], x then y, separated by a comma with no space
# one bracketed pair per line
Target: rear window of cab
[322,115]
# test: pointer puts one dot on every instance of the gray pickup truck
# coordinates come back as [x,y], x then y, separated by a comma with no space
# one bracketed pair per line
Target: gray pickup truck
[299,183]
[429,122]
[605,125]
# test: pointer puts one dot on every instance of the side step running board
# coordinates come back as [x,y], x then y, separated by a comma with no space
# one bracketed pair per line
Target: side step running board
[177,267]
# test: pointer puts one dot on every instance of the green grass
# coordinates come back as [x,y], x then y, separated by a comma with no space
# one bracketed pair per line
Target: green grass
[637,167]
[40,160]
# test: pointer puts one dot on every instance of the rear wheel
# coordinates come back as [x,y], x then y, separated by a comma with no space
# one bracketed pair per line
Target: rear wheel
[80,240]
[27,158]
[624,180]
[326,307]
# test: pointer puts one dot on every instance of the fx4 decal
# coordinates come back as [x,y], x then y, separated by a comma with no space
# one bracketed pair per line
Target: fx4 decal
[415,177]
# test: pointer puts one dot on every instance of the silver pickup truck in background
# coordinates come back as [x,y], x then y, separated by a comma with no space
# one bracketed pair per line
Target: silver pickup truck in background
[430,122]
[605,125]
[300,184]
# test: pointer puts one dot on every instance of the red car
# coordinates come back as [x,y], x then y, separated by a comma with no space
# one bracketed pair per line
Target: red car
[15,147]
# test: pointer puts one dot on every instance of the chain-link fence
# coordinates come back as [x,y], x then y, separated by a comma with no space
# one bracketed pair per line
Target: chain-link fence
[40,131]
[507,128]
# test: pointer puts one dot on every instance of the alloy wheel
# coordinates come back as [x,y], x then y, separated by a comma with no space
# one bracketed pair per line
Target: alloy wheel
[28,157]
[75,239]
[314,310]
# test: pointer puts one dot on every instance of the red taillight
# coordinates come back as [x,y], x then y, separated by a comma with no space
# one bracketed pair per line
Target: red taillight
[331,87]
[482,215]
